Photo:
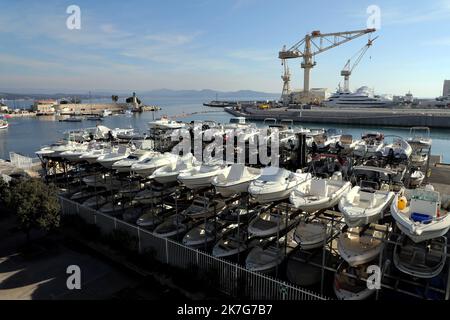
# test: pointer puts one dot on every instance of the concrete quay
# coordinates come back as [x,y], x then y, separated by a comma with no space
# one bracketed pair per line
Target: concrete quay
[433,118]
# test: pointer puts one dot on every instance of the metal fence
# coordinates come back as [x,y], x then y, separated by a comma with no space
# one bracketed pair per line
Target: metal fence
[22,162]
[232,278]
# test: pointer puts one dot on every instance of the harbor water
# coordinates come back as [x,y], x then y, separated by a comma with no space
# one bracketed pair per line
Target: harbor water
[26,135]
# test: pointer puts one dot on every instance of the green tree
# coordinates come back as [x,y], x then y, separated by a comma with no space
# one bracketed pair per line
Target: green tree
[36,205]
[4,195]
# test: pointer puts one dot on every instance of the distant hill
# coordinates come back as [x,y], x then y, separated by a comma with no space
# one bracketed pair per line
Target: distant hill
[34,96]
[208,94]
[205,94]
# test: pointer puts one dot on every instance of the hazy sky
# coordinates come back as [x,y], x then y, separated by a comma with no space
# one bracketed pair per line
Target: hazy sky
[217,44]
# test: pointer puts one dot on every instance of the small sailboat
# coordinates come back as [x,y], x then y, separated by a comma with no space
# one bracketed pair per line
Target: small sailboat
[318,194]
[364,204]
[423,260]
[421,214]
[275,184]
[235,179]
[359,245]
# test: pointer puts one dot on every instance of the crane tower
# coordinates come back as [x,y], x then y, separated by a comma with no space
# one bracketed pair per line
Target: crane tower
[316,43]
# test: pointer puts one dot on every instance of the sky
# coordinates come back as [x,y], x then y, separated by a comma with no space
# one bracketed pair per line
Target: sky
[223,45]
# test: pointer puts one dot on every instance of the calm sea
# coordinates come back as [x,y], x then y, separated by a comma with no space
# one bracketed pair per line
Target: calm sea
[26,135]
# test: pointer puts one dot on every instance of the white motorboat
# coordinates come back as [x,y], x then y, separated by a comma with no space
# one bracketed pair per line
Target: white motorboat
[369,145]
[203,207]
[174,226]
[419,158]
[108,159]
[137,156]
[55,150]
[398,149]
[73,154]
[205,234]
[200,176]
[95,202]
[91,155]
[422,260]
[420,136]
[170,172]
[364,204]
[275,184]
[112,207]
[233,243]
[266,259]
[421,214]
[102,181]
[347,144]
[85,194]
[323,142]
[350,283]
[154,195]
[318,194]
[165,123]
[358,246]
[235,179]
[239,212]
[146,167]
[4,124]
[273,221]
[150,218]
[416,178]
[311,234]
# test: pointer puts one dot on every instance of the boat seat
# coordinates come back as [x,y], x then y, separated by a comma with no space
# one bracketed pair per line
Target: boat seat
[423,208]
[367,197]
[319,187]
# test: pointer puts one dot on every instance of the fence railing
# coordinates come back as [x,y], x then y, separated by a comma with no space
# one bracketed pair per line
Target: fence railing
[22,162]
[233,279]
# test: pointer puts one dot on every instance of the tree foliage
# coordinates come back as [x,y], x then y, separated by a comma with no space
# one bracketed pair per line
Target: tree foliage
[35,203]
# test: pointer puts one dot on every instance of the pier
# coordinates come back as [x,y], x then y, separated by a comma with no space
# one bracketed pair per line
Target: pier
[432,118]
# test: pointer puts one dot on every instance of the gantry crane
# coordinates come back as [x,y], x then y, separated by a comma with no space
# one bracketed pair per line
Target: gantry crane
[347,70]
[311,49]
[286,77]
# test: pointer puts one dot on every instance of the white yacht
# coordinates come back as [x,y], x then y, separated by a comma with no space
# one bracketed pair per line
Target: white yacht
[363,97]
[139,155]
[165,123]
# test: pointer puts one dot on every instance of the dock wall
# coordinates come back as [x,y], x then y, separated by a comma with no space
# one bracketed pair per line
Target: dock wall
[433,118]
